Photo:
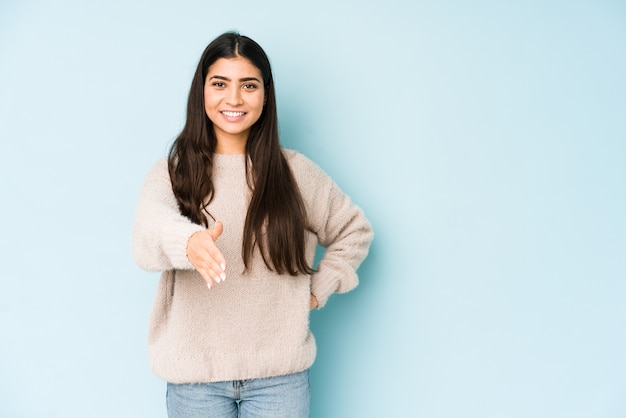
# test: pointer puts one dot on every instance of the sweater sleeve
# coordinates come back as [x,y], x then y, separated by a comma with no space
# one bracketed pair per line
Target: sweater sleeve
[160,232]
[340,226]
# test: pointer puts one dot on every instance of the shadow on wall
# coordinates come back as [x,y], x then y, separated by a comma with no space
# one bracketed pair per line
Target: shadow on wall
[342,332]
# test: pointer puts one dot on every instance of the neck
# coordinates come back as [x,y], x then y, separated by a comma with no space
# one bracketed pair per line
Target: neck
[231,144]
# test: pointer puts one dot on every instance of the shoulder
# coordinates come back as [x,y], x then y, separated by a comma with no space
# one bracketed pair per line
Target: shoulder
[301,164]
[313,182]
[158,177]
[160,165]
[159,170]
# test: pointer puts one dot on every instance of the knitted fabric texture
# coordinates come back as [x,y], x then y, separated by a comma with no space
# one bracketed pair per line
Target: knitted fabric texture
[254,324]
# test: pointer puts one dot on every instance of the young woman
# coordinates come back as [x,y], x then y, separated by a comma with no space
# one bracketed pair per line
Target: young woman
[232,220]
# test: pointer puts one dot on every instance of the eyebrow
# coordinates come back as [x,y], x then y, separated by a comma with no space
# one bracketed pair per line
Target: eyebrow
[220,77]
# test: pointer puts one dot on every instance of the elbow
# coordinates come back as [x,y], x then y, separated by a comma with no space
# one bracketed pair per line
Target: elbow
[143,252]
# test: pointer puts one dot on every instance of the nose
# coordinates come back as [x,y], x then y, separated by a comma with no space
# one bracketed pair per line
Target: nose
[233,97]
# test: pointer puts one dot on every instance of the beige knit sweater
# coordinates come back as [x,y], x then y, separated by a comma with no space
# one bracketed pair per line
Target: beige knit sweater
[252,325]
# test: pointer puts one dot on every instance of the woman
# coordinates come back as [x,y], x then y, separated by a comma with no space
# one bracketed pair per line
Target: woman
[232,220]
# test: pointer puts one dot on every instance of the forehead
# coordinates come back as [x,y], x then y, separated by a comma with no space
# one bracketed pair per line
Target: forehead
[238,67]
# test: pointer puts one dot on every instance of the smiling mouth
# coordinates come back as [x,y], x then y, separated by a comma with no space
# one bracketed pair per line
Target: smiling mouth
[232,114]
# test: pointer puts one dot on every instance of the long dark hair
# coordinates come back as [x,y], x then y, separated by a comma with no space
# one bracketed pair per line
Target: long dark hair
[276,218]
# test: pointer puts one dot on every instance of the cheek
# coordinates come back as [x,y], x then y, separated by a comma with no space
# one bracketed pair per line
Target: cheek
[207,99]
[210,105]
[260,102]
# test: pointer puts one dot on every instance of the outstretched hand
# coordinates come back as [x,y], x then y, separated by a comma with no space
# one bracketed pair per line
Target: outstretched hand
[204,255]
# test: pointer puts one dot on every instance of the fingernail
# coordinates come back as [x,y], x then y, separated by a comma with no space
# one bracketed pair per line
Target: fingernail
[223,276]
[208,285]
[217,279]
[223,266]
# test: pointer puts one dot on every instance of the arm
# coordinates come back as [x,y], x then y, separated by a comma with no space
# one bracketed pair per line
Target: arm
[346,234]
[340,226]
[160,233]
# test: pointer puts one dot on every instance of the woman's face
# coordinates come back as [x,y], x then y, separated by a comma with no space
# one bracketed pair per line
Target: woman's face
[234,96]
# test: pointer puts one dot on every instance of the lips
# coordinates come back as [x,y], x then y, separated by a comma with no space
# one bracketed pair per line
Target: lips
[230,114]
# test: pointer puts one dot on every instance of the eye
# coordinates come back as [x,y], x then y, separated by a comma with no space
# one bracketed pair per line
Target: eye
[249,86]
[218,84]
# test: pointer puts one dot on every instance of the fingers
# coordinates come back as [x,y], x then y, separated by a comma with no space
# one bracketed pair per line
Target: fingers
[211,270]
[205,257]
[216,231]
[212,276]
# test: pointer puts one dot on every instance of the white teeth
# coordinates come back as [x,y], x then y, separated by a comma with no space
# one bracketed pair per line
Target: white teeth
[233,114]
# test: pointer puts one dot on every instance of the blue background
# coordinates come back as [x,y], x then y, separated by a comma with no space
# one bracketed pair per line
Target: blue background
[485,140]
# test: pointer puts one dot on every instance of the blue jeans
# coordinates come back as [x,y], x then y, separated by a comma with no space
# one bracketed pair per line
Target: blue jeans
[273,397]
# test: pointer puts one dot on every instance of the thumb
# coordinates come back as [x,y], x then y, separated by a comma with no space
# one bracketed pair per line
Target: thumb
[216,231]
